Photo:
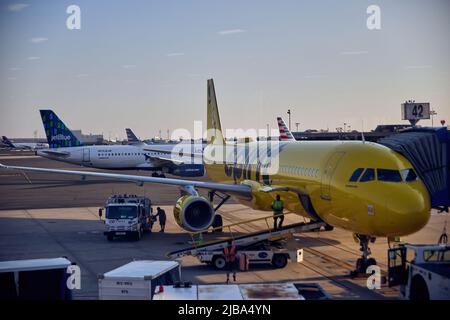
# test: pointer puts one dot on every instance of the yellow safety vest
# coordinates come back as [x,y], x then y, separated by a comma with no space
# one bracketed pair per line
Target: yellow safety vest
[277,206]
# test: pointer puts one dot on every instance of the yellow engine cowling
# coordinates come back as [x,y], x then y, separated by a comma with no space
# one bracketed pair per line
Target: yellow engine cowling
[193,213]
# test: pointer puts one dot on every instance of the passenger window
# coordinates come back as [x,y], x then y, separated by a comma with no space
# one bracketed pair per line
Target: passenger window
[356,174]
[369,175]
[409,175]
[389,175]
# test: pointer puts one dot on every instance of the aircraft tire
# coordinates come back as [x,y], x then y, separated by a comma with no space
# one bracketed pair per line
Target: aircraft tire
[419,290]
[279,261]
[219,262]
[371,262]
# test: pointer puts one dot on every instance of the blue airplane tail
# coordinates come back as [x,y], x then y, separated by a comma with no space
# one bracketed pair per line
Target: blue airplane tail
[8,142]
[132,139]
[58,135]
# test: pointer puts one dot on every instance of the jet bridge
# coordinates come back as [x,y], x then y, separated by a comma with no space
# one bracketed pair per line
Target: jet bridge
[428,150]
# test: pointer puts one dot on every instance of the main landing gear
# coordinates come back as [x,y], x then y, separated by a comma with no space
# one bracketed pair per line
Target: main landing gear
[218,221]
[364,262]
[158,175]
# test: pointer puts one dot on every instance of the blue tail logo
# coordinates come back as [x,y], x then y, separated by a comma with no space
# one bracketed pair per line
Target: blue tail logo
[6,141]
[58,135]
[132,139]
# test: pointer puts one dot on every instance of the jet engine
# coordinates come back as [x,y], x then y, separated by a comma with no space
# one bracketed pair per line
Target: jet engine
[193,213]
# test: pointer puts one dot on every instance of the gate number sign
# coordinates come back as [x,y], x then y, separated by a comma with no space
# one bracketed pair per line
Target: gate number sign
[415,111]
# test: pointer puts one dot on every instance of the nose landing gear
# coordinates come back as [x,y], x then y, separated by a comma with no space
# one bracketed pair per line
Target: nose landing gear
[364,262]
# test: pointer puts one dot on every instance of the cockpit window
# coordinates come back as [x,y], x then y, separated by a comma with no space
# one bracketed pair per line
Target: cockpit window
[356,174]
[409,175]
[389,175]
[369,175]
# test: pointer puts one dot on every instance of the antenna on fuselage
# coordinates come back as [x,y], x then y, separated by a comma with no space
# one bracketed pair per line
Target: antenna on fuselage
[362,132]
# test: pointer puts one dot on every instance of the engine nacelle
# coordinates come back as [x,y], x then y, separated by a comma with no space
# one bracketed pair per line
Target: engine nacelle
[193,213]
[188,170]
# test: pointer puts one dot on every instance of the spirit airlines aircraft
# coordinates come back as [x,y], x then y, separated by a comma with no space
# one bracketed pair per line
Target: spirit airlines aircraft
[365,188]
[64,146]
[23,145]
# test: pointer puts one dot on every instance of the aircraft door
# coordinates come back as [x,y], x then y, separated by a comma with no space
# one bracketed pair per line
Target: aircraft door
[327,175]
[86,155]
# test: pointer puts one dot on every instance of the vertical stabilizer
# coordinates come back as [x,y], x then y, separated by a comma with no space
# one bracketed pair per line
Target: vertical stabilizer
[8,142]
[132,139]
[214,133]
[58,135]
[285,133]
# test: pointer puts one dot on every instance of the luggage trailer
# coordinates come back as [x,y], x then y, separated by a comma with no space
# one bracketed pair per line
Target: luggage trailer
[262,247]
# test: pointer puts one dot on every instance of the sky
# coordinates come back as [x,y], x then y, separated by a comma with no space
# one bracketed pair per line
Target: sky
[144,64]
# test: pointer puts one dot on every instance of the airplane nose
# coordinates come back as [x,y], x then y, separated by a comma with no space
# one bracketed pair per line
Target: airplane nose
[410,211]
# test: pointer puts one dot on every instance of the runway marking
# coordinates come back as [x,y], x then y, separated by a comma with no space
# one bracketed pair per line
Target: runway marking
[17,157]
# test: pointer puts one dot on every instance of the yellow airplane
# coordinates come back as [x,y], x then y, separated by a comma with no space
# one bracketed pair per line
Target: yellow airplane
[362,187]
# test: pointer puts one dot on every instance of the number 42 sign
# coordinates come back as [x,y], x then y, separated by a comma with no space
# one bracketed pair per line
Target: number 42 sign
[415,111]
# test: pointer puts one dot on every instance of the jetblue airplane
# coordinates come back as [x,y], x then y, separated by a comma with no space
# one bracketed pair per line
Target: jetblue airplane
[24,145]
[64,146]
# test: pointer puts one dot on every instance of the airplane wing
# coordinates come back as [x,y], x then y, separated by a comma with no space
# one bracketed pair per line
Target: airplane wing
[236,189]
[165,161]
[56,153]
[268,189]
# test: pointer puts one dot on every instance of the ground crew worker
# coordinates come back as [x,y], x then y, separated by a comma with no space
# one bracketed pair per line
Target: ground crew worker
[230,259]
[161,214]
[151,222]
[277,207]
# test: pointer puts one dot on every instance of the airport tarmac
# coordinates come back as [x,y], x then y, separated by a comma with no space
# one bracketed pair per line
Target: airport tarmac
[56,216]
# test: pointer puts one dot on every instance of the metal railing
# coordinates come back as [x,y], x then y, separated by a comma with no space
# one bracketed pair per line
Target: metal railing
[200,241]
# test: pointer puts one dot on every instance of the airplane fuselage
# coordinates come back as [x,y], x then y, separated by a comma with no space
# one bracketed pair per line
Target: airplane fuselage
[317,175]
[30,146]
[104,156]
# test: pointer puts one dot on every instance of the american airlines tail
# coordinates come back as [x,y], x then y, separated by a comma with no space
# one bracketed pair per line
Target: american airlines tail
[8,142]
[214,128]
[285,133]
[58,135]
[132,139]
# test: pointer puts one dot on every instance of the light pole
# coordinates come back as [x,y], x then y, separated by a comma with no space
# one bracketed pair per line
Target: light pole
[289,113]
[297,124]
[432,114]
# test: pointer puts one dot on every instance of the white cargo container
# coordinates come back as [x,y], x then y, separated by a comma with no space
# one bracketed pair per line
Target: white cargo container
[35,279]
[137,280]
[256,291]
[200,292]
